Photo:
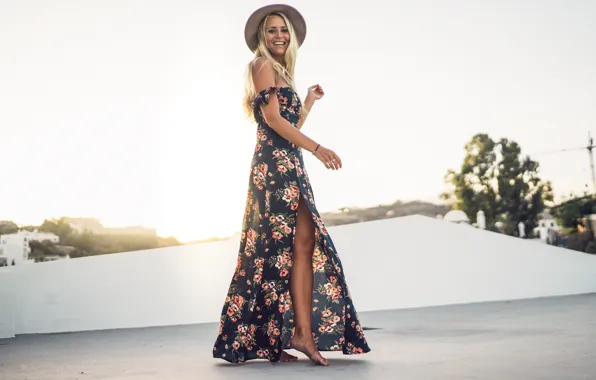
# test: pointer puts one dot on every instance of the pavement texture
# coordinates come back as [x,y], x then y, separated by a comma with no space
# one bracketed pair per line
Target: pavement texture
[548,338]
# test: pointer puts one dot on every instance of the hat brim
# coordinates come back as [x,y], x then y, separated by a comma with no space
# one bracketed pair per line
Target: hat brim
[254,21]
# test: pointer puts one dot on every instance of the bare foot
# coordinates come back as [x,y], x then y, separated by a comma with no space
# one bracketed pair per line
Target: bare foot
[306,345]
[285,357]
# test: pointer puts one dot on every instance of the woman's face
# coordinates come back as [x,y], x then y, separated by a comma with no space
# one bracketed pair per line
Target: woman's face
[277,35]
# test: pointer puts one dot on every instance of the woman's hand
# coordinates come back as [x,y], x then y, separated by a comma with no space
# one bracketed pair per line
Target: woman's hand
[315,92]
[328,158]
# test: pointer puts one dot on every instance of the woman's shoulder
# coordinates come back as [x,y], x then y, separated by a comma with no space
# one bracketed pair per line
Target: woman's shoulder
[259,64]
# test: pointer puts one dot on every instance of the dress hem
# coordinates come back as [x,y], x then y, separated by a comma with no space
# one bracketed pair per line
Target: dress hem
[364,351]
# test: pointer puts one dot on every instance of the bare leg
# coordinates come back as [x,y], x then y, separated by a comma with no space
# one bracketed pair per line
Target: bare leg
[301,285]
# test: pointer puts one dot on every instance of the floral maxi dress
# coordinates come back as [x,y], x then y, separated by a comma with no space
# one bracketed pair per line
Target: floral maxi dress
[257,319]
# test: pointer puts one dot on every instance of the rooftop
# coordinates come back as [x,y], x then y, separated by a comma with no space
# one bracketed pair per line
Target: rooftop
[546,338]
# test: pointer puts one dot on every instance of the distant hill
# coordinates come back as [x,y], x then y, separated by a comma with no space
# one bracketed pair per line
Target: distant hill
[349,215]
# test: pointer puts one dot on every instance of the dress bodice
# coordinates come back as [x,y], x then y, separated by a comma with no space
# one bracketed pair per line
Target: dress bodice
[289,105]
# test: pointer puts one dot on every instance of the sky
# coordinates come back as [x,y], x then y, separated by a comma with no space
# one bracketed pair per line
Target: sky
[130,110]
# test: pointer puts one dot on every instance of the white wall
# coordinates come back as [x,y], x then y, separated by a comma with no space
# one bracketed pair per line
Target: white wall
[7,302]
[417,261]
[395,263]
[176,285]
[13,251]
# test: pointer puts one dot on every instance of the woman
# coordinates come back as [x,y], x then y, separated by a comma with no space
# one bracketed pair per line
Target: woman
[288,275]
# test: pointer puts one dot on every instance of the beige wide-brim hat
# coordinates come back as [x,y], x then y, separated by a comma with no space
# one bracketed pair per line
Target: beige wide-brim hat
[254,21]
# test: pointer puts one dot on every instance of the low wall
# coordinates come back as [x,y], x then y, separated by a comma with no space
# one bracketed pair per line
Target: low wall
[8,292]
[389,264]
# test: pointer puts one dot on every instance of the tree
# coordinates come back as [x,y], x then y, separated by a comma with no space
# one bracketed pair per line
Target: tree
[473,188]
[522,193]
[83,241]
[495,178]
[571,213]
[59,227]
[41,249]
[8,227]
[80,244]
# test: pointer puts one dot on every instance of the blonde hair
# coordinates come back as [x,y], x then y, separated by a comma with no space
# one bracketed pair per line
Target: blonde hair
[284,72]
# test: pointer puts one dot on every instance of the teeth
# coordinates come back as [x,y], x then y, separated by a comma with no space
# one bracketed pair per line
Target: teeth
[279,43]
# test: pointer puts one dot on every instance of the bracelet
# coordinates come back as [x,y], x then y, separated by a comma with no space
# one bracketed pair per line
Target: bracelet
[314,152]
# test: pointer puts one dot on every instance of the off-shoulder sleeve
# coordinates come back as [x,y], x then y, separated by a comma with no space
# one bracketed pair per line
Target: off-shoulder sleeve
[263,96]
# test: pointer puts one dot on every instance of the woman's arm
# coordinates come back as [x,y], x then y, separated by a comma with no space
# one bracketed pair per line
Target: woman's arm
[264,77]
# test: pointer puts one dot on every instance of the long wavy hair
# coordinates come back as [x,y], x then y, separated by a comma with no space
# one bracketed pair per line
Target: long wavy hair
[284,72]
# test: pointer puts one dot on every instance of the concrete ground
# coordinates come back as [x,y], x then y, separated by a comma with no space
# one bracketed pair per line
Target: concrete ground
[550,338]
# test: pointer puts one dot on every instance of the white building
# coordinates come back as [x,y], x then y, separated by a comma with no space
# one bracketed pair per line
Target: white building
[15,247]
[546,226]
[456,216]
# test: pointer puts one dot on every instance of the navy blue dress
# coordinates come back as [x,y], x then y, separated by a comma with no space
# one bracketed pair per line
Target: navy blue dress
[257,319]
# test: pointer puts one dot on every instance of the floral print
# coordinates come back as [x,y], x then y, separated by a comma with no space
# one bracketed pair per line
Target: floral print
[257,319]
